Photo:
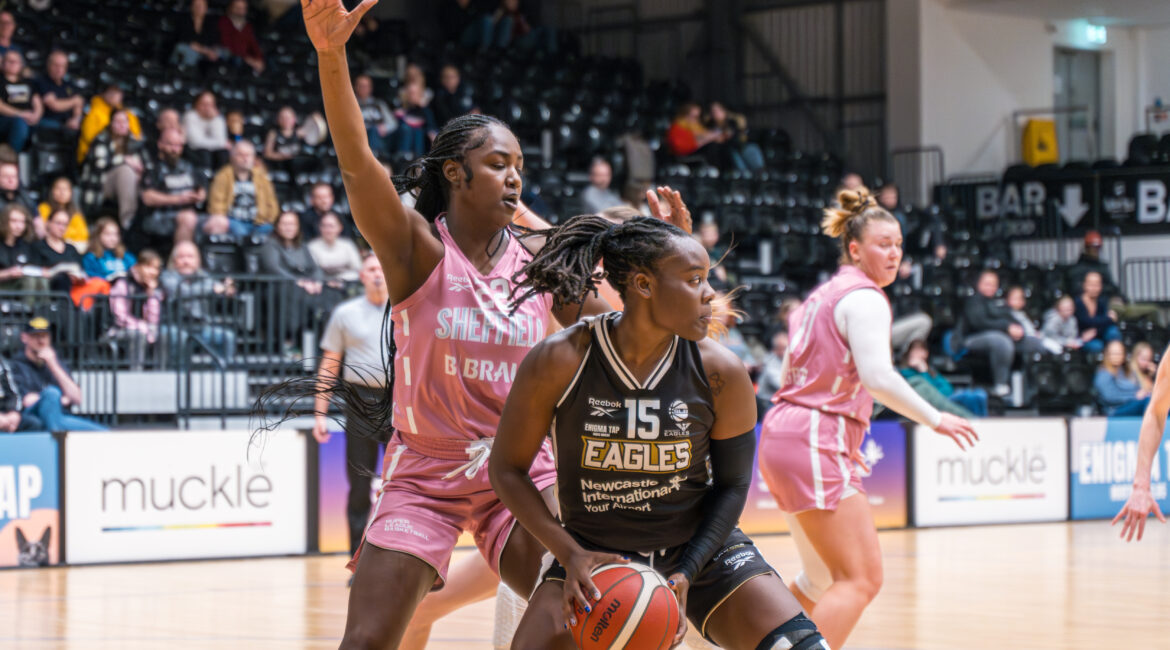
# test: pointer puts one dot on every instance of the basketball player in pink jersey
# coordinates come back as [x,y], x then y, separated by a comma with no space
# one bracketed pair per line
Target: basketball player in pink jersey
[838,362]
[1141,503]
[456,343]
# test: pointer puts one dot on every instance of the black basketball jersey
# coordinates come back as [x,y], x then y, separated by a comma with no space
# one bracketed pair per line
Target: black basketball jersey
[631,458]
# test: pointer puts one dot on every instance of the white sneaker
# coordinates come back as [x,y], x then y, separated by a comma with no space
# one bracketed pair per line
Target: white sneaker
[1001,390]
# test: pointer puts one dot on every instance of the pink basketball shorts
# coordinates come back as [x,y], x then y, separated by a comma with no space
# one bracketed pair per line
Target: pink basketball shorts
[432,490]
[805,457]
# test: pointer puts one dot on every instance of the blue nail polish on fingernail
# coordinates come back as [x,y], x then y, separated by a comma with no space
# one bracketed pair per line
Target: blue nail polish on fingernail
[588,609]
[670,582]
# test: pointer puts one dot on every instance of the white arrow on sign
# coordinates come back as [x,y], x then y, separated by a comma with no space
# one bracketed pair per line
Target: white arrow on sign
[1073,209]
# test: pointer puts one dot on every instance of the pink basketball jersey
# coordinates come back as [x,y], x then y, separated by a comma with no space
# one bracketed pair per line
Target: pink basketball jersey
[458,346]
[821,374]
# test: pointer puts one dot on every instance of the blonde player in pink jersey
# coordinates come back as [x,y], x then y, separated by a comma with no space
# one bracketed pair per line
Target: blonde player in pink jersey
[456,344]
[838,362]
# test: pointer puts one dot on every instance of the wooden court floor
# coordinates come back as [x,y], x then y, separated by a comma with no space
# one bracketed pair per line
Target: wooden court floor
[1021,587]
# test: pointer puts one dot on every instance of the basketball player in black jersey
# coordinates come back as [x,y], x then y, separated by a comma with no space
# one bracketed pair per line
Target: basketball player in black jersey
[653,430]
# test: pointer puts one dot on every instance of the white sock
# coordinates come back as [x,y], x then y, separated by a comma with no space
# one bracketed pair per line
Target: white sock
[509,610]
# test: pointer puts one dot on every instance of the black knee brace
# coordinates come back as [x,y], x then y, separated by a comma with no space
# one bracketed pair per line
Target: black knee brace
[797,633]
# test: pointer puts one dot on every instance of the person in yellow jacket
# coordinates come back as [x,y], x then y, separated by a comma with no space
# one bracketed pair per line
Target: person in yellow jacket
[98,117]
[61,198]
[242,200]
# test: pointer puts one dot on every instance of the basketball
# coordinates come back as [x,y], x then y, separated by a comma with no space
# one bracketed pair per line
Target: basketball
[637,611]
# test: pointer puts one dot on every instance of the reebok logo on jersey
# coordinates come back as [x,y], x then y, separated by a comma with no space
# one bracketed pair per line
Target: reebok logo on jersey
[602,412]
[735,562]
[459,283]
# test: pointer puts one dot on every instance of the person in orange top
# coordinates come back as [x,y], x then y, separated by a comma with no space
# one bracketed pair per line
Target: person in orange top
[687,136]
[61,198]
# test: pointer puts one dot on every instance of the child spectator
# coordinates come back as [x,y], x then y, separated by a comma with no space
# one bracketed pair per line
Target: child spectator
[1060,324]
[61,198]
[136,302]
[54,251]
[16,242]
[107,258]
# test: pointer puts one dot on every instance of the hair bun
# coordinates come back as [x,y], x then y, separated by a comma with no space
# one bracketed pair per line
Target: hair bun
[855,201]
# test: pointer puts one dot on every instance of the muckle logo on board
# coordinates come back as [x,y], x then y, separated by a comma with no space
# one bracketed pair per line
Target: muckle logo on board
[171,495]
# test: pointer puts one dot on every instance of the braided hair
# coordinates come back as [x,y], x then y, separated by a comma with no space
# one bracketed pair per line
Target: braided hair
[565,267]
[425,177]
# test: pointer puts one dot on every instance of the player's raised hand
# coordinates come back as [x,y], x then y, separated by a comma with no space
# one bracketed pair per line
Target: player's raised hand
[328,23]
[957,429]
[1135,511]
[670,208]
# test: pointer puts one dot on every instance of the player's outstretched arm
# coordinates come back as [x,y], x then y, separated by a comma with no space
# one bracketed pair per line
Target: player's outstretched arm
[1140,503]
[399,236]
[867,328]
[541,379]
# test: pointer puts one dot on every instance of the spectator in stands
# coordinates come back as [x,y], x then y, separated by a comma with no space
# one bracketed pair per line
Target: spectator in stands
[7,31]
[376,114]
[136,302]
[1142,365]
[887,197]
[206,131]
[283,145]
[242,200]
[97,118]
[851,181]
[196,291]
[321,201]
[1090,260]
[337,256]
[455,96]
[197,39]
[20,105]
[1118,391]
[236,36]
[10,189]
[597,197]
[709,238]
[935,388]
[416,122]
[113,169]
[414,74]
[54,252]
[728,334]
[107,258]
[1095,320]
[236,122]
[464,22]
[747,156]
[10,406]
[1060,324]
[48,391]
[169,118]
[910,322]
[285,254]
[771,373]
[688,137]
[61,198]
[172,191]
[63,104]
[991,331]
[1017,302]
[514,28]
[16,242]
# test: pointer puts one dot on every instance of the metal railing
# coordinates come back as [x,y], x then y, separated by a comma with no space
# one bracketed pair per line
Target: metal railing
[1147,279]
[217,344]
